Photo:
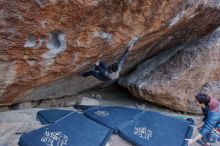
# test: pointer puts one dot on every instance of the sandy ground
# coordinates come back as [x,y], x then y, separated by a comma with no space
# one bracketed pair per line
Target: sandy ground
[14,122]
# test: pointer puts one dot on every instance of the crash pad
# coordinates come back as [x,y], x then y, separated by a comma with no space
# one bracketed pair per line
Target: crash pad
[71,130]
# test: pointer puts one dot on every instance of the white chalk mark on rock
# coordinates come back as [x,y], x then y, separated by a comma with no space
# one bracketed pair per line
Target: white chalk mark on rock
[177,18]
[30,42]
[56,44]
[103,35]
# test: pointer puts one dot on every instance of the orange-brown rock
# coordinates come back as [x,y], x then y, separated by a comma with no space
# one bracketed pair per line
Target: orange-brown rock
[44,44]
[173,77]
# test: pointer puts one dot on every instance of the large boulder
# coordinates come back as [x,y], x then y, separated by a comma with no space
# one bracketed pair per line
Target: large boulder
[44,44]
[212,89]
[173,77]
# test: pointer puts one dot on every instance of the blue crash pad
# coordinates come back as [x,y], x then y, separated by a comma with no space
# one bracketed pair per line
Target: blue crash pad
[51,115]
[72,130]
[111,116]
[154,129]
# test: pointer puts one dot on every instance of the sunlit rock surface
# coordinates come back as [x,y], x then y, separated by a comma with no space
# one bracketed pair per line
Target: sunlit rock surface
[45,44]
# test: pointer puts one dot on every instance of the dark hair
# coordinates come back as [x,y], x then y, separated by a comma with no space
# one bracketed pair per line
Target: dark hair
[203,98]
[114,67]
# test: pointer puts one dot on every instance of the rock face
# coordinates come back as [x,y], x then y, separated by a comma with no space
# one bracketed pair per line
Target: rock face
[172,78]
[44,44]
[212,89]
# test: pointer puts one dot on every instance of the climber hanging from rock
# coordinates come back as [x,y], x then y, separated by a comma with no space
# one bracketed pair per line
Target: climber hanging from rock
[106,73]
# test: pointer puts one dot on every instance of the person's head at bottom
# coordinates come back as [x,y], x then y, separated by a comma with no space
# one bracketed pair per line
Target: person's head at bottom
[202,99]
